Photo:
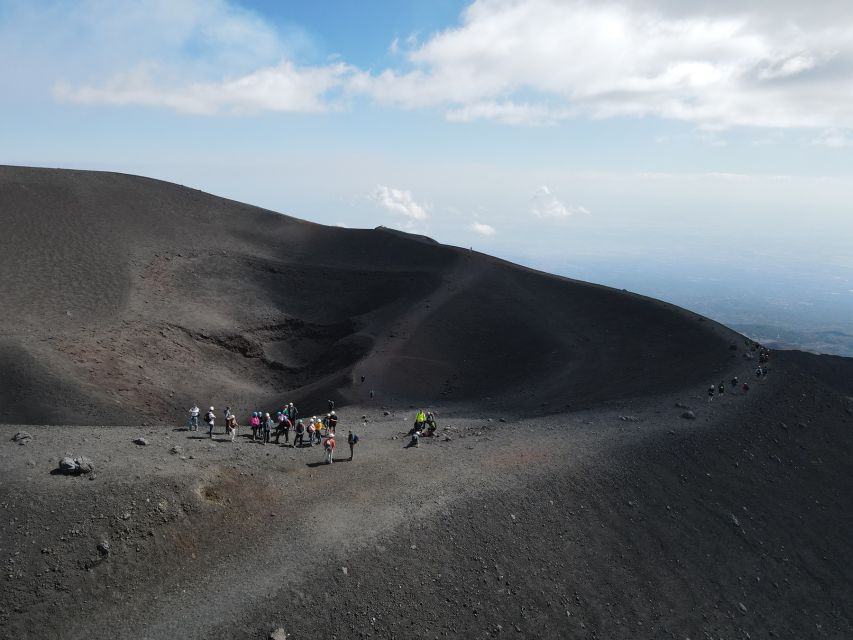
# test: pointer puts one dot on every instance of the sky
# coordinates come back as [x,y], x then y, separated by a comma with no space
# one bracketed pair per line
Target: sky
[556,133]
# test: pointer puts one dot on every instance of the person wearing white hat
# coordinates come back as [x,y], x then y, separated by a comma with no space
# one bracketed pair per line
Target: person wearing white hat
[210,419]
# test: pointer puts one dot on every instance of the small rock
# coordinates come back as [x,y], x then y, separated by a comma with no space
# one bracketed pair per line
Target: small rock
[278,634]
[629,418]
[802,425]
[344,570]
[84,465]
[386,413]
[67,465]
[142,442]
[501,419]
[176,449]
[734,520]
[688,415]
[783,426]
[742,607]
[104,548]
[22,437]
[681,405]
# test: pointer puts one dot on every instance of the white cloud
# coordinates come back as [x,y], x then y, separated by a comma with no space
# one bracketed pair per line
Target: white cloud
[834,138]
[518,62]
[483,229]
[544,204]
[280,88]
[400,202]
[752,66]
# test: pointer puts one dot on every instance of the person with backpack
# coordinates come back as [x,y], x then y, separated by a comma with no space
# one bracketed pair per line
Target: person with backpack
[255,423]
[310,431]
[300,433]
[721,388]
[210,419]
[292,413]
[734,383]
[282,427]
[231,426]
[193,422]
[431,424]
[268,425]
[329,447]
[331,422]
[352,440]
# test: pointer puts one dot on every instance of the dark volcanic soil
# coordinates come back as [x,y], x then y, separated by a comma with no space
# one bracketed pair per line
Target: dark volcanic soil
[565,496]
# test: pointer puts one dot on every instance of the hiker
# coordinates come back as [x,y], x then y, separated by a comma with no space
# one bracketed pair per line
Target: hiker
[745,387]
[416,439]
[331,422]
[193,423]
[228,414]
[310,431]
[318,426]
[420,419]
[734,383]
[299,434]
[331,404]
[362,379]
[210,419]
[431,424]
[268,426]
[282,427]
[372,394]
[758,372]
[329,447]
[292,413]
[255,423]
[231,426]
[711,390]
[721,388]
[352,440]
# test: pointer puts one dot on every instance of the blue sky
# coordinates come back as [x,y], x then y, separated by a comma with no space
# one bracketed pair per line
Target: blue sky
[538,130]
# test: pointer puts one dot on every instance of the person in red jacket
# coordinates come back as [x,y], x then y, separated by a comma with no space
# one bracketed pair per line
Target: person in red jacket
[329,447]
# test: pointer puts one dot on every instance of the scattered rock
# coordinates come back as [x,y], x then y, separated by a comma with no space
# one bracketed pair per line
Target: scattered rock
[801,425]
[501,419]
[629,418]
[75,466]
[386,413]
[742,607]
[104,548]
[734,520]
[783,426]
[681,405]
[176,449]
[278,634]
[84,465]
[688,415]
[22,437]
[142,442]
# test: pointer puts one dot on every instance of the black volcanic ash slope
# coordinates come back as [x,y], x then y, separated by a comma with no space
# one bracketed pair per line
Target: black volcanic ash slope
[125,299]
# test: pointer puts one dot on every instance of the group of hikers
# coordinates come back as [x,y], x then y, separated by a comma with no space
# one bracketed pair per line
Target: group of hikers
[425,426]
[318,430]
[760,371]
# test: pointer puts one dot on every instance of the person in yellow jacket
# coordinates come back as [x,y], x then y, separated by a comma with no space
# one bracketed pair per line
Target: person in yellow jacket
[420,419]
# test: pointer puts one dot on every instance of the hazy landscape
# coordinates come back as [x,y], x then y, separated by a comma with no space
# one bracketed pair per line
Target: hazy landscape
[438,319]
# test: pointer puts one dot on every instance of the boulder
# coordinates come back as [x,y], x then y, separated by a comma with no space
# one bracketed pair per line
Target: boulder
[688,415]
[142,442]
[22,437]
[75,466]
[67,465]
